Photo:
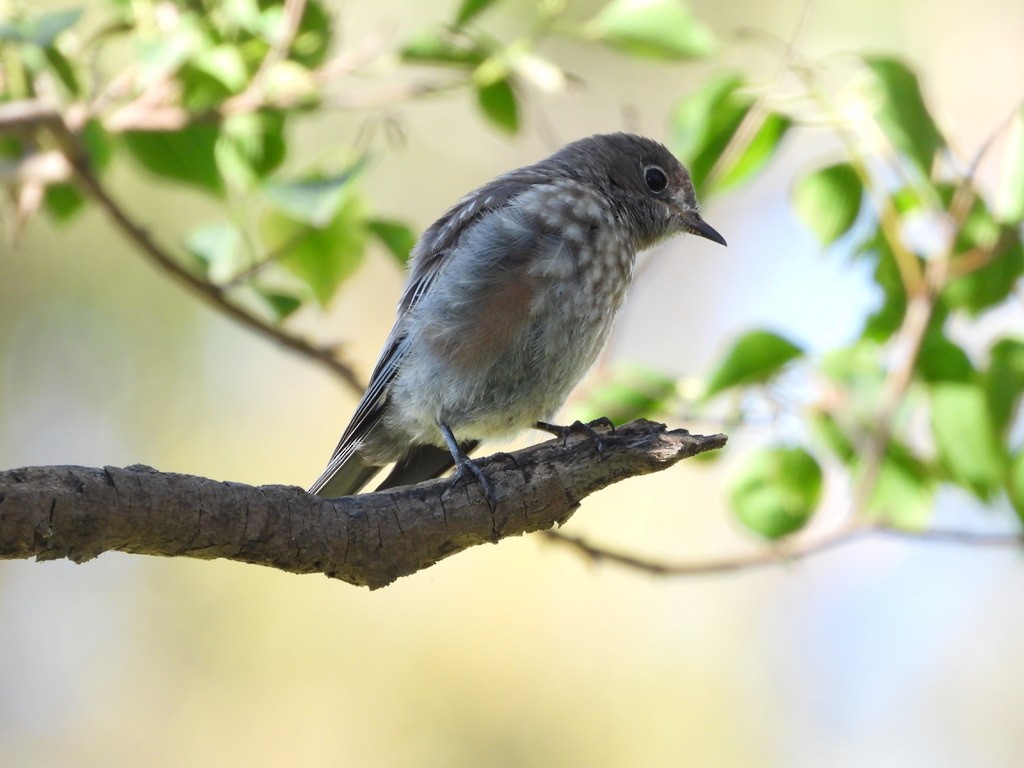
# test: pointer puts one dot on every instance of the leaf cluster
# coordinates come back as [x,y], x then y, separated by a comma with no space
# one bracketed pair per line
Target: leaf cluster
[907,407]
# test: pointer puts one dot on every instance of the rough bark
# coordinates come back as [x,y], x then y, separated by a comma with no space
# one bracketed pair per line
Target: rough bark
[371,539]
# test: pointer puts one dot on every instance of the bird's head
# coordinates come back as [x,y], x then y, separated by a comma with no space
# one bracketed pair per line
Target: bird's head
[649,189]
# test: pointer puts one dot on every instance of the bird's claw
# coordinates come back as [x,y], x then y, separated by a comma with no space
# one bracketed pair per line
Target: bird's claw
[579,428]
[466,470]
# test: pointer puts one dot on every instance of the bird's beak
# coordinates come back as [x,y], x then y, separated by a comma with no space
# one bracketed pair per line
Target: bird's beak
[695,225]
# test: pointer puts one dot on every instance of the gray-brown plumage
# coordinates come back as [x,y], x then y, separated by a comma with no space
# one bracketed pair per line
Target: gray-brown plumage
[510,297]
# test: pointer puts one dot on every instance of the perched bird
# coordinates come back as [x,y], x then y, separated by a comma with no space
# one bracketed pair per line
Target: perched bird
[509,299]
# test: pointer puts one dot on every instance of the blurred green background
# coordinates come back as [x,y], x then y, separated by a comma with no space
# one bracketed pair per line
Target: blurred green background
[884,653]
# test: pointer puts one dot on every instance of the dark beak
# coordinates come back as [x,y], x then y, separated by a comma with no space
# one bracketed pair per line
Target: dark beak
[695,225]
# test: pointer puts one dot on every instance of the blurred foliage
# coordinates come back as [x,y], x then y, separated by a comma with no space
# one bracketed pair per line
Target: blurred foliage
[859,407]
[213,88]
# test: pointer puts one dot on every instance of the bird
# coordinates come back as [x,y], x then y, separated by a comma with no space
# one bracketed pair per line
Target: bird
[508,300]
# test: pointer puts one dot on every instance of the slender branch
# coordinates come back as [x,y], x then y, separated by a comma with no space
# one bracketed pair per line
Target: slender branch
[911,335]
[907,264]
[780,554]
[990,140]
[36,115]
[159,106]
[291,17]
[783,553]
[951,536]
[243,276]
[372,539]
[752,120]
[210,293]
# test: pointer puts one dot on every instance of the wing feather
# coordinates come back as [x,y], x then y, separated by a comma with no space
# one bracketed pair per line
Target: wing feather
[428,258]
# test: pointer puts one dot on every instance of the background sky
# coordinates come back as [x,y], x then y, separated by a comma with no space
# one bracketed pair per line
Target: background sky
[884,653]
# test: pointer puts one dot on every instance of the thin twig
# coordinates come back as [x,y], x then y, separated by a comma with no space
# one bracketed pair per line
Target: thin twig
[782,554]
[212,294]
[990,140]
[291,17]
[911,335]
[951,536]
[751,121]
[254,96]
[907,264]
[37,115]
[243,276]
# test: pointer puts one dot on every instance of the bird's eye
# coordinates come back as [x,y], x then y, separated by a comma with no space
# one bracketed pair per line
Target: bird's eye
[655,179]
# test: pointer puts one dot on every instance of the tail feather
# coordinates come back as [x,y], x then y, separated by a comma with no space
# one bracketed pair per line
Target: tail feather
[344,479]
[423,462]
[348,473]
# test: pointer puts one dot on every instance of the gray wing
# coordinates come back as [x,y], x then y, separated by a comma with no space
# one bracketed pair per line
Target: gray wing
[430,254]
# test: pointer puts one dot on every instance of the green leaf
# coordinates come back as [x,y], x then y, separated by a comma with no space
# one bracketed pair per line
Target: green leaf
[321,257]
[754,358]
[828,201]
[859,371]
[241,14]
[201,91]
[97,144]
[62,201]
[631,392]
[186,155]
[161,56]
[1015,484]
[498,102]
[41,30]
[282,304]
[11,146]
[704,122]
[469,9]
[942,360]
[902,113]
[1010,195]
[828,430]
[251,146]
[1004,382]
[777,491]
[312,42]
[395,236]
[214,246]
[703,125]
[225,64]
[315,199]
[991,284]
[431,48]
[290,82]
[904,492]
[965,439]
[660,29]
[757,152]
[63,69]
[883,322]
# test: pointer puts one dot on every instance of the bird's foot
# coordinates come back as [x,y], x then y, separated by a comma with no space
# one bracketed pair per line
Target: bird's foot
[465,466]
[579,428]
[467,470]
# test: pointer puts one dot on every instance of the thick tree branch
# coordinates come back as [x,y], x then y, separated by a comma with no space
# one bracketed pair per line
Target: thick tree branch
[371,540]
